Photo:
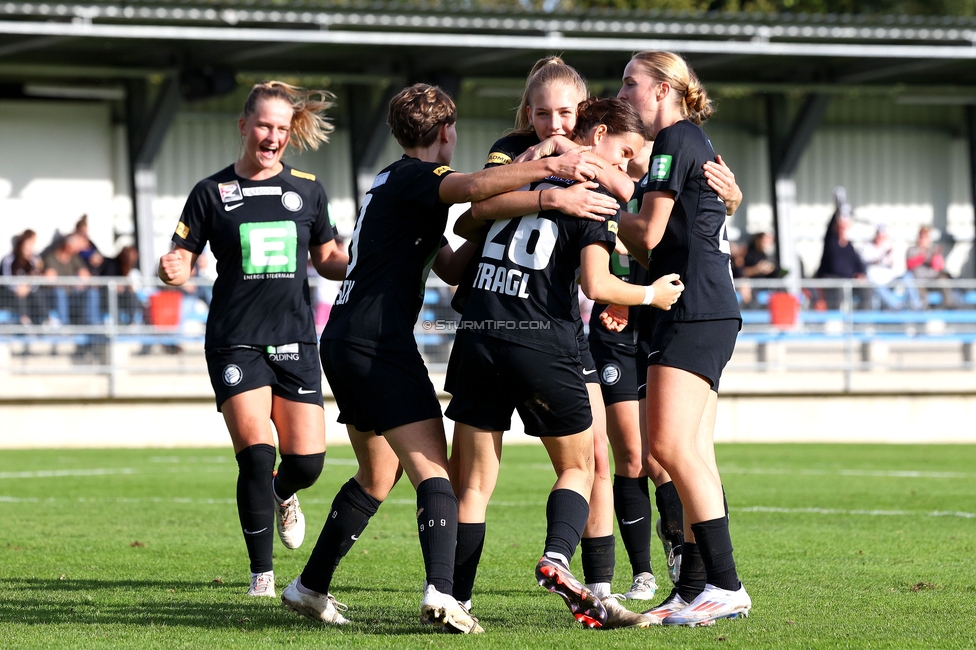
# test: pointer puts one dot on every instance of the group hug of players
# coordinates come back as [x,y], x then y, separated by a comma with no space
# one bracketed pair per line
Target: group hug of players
[622,197]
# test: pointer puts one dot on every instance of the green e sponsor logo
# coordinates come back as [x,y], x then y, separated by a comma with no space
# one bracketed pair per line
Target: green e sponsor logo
[660,167]
[269,247]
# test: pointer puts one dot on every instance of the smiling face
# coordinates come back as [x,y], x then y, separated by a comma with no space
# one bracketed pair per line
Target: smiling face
[265,133]
[642,92]
[552,110]
[618,149]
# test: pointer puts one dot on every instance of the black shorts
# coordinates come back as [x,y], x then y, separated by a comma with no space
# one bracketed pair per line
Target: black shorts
[615,364]
[587,364]
[292,371]
[491,378]
[702,347]
[377,390]
[640,364]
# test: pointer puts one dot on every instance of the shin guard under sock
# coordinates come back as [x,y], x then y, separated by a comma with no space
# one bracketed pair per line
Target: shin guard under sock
[631,501]
[470,544]
[351,511]
[255,503]
[716,552]
[437,522]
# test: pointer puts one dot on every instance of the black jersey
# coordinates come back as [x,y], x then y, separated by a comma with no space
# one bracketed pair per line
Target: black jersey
[524,290]
[503,152]
[695,243]
[399,231]
[259,232]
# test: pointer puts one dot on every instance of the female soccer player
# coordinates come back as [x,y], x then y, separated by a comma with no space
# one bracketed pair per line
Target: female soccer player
[548,110]
[683,221]
[370,355]
[263,219]
[527,276]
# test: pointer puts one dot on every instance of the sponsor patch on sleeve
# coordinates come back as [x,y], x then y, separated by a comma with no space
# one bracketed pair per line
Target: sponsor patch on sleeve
[660,169]
[305,175]
[443,169]
[498,158]
[612,226]
[182,230]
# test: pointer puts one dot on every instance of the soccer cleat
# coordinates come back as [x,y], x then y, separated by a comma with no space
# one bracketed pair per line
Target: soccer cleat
[444,610]
[672,551]
[262,585]
[619,616]
[712,604]
[290,522]
[673,603]
[586,608]
[643,588]
[319,608]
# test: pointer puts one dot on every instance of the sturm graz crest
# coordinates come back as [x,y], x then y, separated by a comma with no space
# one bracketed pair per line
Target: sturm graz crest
[233,375]
[610,374]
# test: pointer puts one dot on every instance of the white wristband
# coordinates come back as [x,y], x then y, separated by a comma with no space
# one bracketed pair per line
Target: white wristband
[648,295]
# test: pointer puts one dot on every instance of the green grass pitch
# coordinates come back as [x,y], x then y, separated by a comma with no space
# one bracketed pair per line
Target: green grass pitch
[839,546]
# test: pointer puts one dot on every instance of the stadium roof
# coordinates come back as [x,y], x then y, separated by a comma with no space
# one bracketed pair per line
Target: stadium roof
[99,40]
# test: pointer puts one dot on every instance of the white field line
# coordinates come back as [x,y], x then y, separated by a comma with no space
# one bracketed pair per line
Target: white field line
[503,504]
[875,473]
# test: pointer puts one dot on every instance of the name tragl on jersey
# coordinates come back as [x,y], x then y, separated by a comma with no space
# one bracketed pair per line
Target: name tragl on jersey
[526,241]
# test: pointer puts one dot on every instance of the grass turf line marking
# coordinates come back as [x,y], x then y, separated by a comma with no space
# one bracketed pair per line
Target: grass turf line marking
[57,473]
[506,504]
[875,473]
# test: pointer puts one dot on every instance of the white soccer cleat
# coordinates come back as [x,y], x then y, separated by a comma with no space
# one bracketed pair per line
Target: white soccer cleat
[712,604]
[672,552]
[672,604]
[619,616]
[643,588]
[262,585]
[444,610]
[319,608]
[290,522]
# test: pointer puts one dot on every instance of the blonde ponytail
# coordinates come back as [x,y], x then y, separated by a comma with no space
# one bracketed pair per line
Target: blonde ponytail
[309,126]
[690,95]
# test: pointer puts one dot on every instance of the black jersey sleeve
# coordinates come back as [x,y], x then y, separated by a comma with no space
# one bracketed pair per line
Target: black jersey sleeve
[672,164]
[424,182]
[193,229]
[592,232]
[323,228]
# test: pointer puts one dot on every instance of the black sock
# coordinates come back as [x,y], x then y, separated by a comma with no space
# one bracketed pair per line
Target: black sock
[632,503]
[351,511]
[725,502]
[470,544]
[716,551]
[297,472]
[437,521]
[597,554]
[669,509]
[255,505]
[566,515]
[691,580]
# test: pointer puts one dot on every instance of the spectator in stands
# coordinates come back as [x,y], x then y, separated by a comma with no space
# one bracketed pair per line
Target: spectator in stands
[78,305]
[126,265]
[737,253]
[879,258]
[87,250]
[22,261]
[925,262]
[757,262]
[840,259]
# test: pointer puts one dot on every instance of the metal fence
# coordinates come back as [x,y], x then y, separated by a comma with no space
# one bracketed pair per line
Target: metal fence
[119,328]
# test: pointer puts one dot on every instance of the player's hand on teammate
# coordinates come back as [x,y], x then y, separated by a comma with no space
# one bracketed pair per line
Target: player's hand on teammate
[615,317]
[579,201]
[578,165]
[667,290]
[170,267]
[556,144]
[721,179]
